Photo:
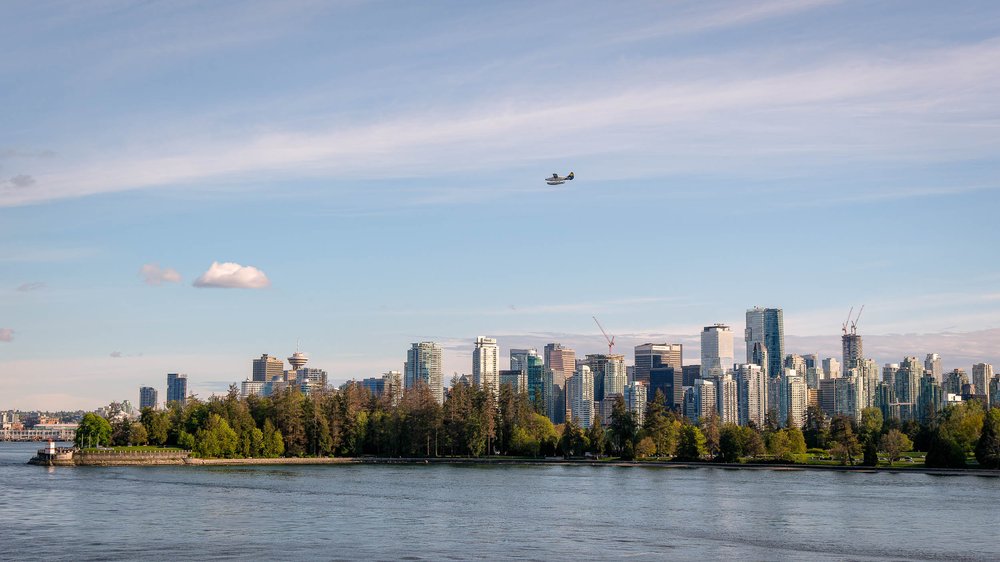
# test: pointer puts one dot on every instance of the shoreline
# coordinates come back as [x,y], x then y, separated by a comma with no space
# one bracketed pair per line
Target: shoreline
[175,459]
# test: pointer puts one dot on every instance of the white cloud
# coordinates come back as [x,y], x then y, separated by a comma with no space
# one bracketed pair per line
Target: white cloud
[153,274]
[6,334]
[27,287]
[229,275]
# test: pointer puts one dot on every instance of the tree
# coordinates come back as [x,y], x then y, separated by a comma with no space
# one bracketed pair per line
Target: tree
[796,441]
[596,437]
[871,423]
[779,447]
[93,431]
[894,443]
[844,442]
[945,452]
[962,424]
[691,444]
[661,426]
[138,434]
[573,441]
[988,446]
[645,448]
[157,424]
[816,428]
[216,439]
[273,444]
[623,428]
[709,425]
[732,443]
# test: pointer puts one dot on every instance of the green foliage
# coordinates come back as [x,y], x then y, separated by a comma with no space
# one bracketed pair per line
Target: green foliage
[93,431]
[273,444]
[623,430]
[596,437]
[185,441]
[945,452]
[661,426]
[988,446]
[138,434]
[894,443]
[216,439]
[844,443]
[157,424]
[574,441]
[732,443]
[691,444]
[816,428]
[962,424]
[871,424]
[710,427]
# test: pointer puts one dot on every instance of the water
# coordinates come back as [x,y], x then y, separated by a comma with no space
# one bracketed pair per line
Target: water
[437,512]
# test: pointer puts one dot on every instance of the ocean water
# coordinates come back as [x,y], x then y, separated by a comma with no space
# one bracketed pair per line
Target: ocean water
[450,512]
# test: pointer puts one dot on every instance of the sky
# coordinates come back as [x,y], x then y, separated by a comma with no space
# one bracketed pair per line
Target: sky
[186,185]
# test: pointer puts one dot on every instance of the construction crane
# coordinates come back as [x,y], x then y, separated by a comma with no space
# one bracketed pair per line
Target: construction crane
[846,322]
[854,325]
[611,339]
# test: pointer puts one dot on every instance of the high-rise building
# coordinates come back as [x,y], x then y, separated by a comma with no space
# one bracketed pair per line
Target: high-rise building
[534,368]
[392,386]
[615,379]
[889,371]
[699,399]
[797,396]
[423,366]
[580,395]
[486,364]
[716,350]
[853,351]
[519,358]
[932,364]
[560,362]
[795,362]
[176,388]
[812,360]
[671,354]
[690,373]
[726,398]
[267,368]
[667,381]
[954,381]
[930,399]
[981,375]
[907,387]
[751,389]
[250,387]
[600,365]
[831,368]
[635,400]
[147,397]
[518,380]
[766,326]
[995,392]
[311,380]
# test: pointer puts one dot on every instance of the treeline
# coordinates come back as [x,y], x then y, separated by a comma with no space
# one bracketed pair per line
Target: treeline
[472,422]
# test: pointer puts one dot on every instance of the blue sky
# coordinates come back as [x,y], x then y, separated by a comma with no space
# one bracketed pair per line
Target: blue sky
[380,166]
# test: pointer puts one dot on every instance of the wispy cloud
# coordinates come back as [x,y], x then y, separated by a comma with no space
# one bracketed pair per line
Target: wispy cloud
[6,334]
[28,287]
[153,274]
[853,108]
[229,275]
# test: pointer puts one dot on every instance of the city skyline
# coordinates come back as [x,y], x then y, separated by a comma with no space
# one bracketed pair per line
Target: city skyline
[214,182]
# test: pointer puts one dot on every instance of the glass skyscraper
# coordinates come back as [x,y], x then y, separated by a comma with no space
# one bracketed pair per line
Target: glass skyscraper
[766,326]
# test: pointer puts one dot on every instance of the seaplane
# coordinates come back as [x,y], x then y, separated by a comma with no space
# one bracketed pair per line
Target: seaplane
[556,179]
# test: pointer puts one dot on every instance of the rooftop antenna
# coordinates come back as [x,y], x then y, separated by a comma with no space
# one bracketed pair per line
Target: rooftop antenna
[611,339]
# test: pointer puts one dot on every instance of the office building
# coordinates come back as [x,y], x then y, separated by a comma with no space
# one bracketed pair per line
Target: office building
[518,380]
[486,364]
[267,368]
[177,388]
[423,367]
[954,381]
[147,397]
[690,373]
[716,350]
[392,386]
[796,363]
[831,368]
[560,362]
[519,358]
[667,381]
[647,354]
[751,389]
[982,373]
[766,326]
[310,380]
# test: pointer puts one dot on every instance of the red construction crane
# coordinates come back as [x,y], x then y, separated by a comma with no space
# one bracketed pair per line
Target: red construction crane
[611,339]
